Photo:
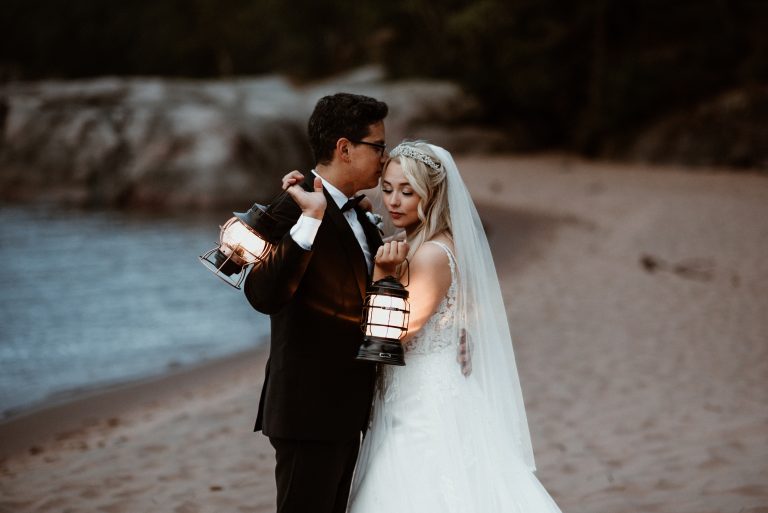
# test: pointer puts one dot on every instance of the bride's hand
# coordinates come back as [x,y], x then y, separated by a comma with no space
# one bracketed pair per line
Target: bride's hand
[366,204]
[388,257]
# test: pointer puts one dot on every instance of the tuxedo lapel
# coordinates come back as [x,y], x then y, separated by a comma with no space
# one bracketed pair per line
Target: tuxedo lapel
[349,242]
[347,237]
[371,232]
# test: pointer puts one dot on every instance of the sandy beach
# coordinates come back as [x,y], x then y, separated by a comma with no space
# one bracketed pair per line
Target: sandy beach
[638,307]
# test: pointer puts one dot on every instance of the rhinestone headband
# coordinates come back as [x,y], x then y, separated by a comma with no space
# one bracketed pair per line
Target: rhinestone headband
[406,150]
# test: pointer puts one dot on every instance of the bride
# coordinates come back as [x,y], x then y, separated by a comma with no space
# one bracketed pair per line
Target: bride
[448,431]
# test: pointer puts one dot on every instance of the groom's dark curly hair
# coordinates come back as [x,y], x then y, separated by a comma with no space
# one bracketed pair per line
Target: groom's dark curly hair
[341,115]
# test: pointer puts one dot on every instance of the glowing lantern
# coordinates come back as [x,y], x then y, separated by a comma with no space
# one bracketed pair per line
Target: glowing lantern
[385,322]
[243,241]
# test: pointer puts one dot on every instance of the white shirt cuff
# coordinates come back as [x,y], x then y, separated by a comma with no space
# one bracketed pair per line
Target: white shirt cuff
[305,230]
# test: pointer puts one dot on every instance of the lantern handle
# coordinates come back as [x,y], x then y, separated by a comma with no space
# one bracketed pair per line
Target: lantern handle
[408,270]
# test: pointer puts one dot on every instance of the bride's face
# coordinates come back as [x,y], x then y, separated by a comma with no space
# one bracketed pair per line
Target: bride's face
[399,197]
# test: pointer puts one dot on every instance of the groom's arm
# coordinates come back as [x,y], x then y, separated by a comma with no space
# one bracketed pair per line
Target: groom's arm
[273,281]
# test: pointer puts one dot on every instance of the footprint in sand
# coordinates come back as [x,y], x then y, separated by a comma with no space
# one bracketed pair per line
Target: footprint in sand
[186,507]
[698,269]
[714,461]
[152,449]
[90,493]
[665,484]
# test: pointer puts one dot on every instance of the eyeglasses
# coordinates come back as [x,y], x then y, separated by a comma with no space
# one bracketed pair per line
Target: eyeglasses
[380,147]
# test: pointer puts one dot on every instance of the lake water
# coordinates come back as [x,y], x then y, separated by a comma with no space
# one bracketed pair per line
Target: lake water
[89,298]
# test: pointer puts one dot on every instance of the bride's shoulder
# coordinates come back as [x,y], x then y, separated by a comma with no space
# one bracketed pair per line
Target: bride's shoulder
[432,257]
[430,277]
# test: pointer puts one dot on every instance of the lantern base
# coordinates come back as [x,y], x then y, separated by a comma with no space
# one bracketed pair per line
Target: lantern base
[223,267]
[382,350]
[224,264]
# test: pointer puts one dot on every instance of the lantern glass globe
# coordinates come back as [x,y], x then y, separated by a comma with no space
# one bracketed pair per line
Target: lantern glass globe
[386,317]
[241,243]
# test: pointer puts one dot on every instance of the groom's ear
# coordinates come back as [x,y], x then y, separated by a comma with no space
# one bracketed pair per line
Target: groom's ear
[342,149]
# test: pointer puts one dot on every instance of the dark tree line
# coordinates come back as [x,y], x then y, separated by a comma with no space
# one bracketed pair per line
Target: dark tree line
[559,72]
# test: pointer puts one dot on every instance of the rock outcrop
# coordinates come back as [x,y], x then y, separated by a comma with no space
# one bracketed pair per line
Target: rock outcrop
[172,143]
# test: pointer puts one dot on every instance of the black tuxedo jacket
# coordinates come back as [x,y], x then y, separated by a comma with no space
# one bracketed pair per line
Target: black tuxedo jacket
[314,388]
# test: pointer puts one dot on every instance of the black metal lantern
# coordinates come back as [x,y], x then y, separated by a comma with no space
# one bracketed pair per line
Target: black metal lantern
[244,240]
[385,322]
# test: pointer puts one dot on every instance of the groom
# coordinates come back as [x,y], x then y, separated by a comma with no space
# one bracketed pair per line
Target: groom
[316,397]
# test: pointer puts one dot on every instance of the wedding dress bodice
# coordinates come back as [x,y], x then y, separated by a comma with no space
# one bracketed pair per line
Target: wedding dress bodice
[430,354]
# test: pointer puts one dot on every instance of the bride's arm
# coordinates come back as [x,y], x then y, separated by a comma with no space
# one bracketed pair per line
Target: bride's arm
[429,278]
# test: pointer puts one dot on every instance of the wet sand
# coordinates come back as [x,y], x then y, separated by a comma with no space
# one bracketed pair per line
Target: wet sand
[638,306]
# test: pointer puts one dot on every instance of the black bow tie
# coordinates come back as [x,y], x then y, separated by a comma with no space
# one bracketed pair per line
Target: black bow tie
[352,203]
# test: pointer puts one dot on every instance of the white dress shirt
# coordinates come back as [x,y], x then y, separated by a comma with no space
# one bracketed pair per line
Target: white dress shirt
[305,229]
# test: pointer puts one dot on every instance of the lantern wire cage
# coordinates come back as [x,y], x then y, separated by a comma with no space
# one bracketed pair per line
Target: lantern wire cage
[384,322]
[229,258]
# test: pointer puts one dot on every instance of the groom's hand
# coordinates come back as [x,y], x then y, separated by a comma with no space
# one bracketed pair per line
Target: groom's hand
[312,204]
[293,178]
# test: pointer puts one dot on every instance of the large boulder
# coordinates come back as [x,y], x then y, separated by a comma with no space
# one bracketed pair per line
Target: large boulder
[147,141]
[729,131]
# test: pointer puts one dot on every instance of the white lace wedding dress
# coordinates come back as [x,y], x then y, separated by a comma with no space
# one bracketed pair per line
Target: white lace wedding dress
[421,453]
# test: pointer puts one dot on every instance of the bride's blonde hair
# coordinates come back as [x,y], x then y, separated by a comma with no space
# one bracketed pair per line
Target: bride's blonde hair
[426,175]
